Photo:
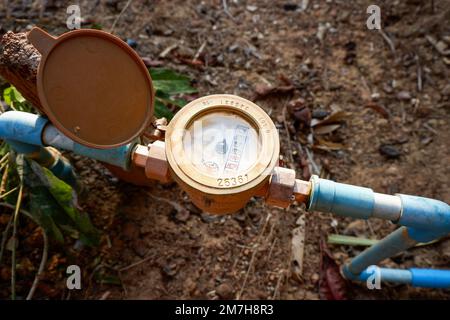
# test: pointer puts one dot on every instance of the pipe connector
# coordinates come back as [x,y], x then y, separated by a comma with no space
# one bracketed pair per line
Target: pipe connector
[153,159]
[283,188]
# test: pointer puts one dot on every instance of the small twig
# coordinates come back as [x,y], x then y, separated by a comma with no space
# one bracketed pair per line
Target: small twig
[14,237]
[289,144]
[4,157]
[271,249]
[41,265]
[120,15]
[434,43]
[225,9]
[314,165]
[167,50]
[136,263]
[252,259]
[4,179]
[199,51]
[8,193]
[419,73]
[388,40]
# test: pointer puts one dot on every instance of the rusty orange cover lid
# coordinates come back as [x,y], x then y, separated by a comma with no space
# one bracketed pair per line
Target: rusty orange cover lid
[93,87]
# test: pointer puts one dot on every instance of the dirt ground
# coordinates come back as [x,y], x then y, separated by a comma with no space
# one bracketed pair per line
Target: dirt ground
[395,91]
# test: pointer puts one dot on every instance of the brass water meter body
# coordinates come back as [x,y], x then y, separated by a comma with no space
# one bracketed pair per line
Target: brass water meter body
[222,150]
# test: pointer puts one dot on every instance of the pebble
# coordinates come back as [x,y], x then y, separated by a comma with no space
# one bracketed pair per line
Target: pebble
[225,291]
[446,90]
[389,151]
[132,43]
[320,113]
[290,6]
[404,95]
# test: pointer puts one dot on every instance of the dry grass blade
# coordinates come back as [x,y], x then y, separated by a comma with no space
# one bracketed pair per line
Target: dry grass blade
[14,236]
[252,259]
[41,265]
[298,247]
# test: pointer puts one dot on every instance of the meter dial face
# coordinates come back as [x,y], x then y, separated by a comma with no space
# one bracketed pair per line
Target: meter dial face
[221,145]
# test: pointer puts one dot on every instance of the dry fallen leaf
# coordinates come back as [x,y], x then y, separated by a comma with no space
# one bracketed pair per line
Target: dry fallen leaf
[322,144]
[338,116]
[326,128]
[332,286]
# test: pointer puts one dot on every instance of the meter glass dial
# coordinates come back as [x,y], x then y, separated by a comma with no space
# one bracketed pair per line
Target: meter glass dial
[221,144]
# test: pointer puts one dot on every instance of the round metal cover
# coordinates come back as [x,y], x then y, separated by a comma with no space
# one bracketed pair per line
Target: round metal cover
[93,87]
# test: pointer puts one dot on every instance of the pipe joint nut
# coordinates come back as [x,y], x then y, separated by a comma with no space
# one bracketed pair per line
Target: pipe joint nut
[281,187]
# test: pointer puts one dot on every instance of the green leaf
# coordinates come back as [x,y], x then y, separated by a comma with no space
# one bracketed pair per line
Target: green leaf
[15,100]
[161,110]
[42,206]
[170,82]
[11,96]
[168,99]
[61,203]
[349,240]
[44,209]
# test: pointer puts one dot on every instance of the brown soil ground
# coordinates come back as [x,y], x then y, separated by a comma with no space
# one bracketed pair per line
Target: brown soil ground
[165,255]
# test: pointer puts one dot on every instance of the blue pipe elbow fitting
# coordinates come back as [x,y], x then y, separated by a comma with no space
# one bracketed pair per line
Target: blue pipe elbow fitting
[426,218]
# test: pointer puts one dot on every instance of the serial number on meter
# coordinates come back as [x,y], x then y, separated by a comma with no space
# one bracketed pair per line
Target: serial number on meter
[233,181]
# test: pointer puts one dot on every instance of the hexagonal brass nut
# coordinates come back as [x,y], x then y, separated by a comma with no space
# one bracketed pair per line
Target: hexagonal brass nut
[157,166]
[281,187]
[140,155]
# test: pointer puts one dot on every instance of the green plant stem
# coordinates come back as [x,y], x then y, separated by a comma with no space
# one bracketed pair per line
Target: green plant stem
[14,236]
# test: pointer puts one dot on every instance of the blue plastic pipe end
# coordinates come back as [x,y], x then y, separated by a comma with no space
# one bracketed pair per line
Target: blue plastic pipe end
[430,278]
[22,126]
[339,198]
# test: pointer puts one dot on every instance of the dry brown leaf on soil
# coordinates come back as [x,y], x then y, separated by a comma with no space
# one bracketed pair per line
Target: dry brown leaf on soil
[262,90]
[326,128]
[322,144]
[332,286]
[338,116]
[379,108]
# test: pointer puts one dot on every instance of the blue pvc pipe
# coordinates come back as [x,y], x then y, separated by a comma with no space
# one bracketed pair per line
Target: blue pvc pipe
[22,127]
[385,274]
[430,278]
[424,278]
[396,242]
[341,199]
[118,156]
[24,131]
[427,218]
